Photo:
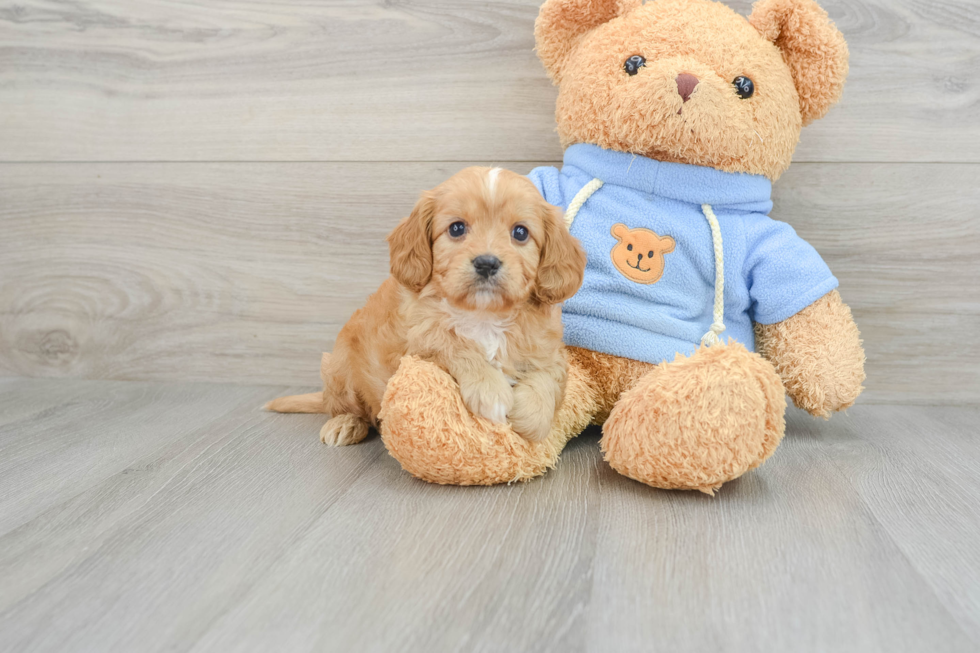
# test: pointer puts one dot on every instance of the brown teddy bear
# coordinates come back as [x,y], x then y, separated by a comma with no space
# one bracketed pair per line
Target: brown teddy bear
[676,115]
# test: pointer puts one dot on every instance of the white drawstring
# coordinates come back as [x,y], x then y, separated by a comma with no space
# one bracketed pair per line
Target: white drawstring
[580,199]
[711,337]
[718,325]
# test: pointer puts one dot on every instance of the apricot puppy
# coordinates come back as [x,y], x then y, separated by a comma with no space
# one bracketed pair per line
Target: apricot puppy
[478,271]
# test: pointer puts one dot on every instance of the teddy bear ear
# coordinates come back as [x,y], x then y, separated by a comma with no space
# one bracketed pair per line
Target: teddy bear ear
[561,24]
[813,48]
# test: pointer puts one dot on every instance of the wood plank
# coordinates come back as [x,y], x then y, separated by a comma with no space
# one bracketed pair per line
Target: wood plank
[242,532]
[434,80]
[798,556]
[447,574]
[54,455]
[260,475]
[245,272]
[24,400]
[901,238]
[933,456]
[238,498]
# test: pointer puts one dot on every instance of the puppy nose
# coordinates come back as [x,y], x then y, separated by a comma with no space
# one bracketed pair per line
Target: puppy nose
[686,83]
[486,265]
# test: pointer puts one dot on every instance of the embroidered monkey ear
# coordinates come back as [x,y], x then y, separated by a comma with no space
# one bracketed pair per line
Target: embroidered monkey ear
[619,231]
[812,47]
[561,24]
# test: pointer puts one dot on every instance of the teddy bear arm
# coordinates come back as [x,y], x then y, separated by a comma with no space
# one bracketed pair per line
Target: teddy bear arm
[426,427]
[818,355]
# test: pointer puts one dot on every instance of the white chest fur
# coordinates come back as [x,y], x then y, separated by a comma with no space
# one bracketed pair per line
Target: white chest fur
[487,331]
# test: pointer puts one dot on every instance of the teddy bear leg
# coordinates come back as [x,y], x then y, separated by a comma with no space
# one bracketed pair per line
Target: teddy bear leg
[699,421]
[426,427]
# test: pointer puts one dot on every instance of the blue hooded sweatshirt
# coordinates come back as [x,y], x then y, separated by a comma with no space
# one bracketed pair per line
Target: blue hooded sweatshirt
[649,289]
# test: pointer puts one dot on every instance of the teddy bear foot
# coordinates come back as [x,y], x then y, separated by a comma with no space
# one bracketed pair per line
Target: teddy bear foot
[699,421]
[426,427]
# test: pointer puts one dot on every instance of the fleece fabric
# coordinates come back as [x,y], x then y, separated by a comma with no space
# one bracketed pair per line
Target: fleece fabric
[652,305]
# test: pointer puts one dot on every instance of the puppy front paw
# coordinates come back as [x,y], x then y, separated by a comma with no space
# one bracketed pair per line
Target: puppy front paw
[534,428]
[490,399]
[342,430]
[533,412]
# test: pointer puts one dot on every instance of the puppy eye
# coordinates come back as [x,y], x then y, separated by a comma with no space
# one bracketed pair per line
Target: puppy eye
[744,87]
[520,233]
[457,229]
[633,64]
[629,248]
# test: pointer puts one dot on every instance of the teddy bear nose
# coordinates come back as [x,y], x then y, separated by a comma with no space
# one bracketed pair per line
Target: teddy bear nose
[686,83]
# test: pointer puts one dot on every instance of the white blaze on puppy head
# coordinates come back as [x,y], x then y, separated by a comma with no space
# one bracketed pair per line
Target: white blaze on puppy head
[492,175]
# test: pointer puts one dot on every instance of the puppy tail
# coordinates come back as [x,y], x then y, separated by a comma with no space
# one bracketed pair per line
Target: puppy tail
[308,403]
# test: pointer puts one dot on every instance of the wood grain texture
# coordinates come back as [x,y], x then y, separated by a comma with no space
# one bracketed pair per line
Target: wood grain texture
[433,80]
[245,272]
[233,529]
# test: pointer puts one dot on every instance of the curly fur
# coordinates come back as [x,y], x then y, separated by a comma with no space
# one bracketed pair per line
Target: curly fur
[698,421]
[812,47]
[818,354]
[427,428]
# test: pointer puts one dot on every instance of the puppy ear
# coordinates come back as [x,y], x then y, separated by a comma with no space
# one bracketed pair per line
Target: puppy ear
[562,263]
[410,245]
[561,24]
[812,47]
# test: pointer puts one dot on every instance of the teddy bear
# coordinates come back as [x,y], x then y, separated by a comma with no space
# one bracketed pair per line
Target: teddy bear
[699,313]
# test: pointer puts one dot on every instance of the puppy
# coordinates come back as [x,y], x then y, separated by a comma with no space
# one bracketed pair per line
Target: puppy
[477,273]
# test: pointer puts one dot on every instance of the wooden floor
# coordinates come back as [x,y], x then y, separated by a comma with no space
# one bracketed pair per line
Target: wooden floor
[155,516]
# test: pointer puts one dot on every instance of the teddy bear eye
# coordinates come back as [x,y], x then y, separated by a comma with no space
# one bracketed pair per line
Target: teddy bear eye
[629,248]
[744,87]
[633,64]
[650,254]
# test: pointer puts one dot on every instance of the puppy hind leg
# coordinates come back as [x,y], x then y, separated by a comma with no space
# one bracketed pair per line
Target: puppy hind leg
[342,430]
[350,419]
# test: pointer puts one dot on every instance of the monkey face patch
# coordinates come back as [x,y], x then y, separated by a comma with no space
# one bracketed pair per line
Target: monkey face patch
[639,254]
